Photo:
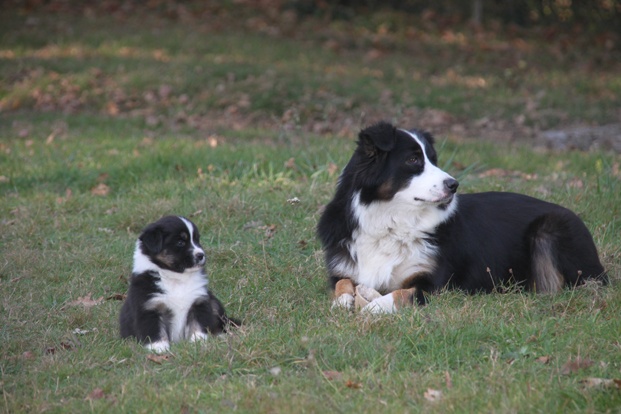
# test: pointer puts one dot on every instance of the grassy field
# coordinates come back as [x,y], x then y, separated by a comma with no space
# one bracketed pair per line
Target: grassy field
[108,123]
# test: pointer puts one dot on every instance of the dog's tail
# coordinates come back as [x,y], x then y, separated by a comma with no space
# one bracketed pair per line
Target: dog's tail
[562,253]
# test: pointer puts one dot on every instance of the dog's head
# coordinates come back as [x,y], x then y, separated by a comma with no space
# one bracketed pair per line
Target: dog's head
[171,243]
[396,164]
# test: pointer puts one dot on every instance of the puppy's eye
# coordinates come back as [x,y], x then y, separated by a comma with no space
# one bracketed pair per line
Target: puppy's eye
[181,243]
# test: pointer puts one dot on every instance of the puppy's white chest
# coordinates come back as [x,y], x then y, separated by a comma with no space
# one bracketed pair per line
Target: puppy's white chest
[177,297]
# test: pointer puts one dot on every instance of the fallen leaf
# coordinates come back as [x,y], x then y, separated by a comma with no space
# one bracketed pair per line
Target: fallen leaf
[575,365]
[433,395]
[253,225]
[96,394]
[270,231]
[78,331]
[28,355]
[592,382]
[332,168]
[290,164]
[353,384]
[543,359]
[100,189]
[332,375]
[86,301]
[158,359]
[117,296]
[293,201]
[449,382]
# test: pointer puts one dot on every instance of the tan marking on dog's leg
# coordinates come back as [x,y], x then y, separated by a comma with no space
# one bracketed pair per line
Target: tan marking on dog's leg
[403,298]
[344,292]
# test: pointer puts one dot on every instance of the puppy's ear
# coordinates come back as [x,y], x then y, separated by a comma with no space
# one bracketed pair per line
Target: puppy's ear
[152,239]
[376,138]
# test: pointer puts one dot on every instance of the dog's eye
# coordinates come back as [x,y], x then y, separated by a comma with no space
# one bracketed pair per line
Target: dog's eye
[412,160]
[181,243]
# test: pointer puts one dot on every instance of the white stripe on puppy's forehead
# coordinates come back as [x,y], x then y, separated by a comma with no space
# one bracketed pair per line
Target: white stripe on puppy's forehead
[190,227]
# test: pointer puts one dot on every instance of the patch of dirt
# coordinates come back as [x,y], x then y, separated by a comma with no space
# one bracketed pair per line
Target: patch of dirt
[584,138]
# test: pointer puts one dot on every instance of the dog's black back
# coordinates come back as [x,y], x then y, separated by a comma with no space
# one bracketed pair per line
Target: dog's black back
[396,222]
[495,240]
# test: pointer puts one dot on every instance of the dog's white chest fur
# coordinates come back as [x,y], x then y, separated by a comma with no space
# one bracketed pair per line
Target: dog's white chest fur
[390,244]
[180,291]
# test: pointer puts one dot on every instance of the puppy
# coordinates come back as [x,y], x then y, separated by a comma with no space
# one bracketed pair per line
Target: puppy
[168,299]
[396,225]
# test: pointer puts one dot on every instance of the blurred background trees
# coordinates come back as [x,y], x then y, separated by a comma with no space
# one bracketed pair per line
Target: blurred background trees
[592,15]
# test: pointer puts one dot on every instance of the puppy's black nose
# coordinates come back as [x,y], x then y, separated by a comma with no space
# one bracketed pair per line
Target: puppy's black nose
[451,185]
[199,257]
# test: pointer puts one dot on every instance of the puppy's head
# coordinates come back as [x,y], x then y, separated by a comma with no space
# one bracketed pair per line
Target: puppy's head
[396,164]
[172,243]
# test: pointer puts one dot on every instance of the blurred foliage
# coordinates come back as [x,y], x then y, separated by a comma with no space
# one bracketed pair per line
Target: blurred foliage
[592,15]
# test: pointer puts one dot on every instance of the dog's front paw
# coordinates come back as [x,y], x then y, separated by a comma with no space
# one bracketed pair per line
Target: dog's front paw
[391,302]
[383,304]
[345,301]
[344,292]
[198,336]
[158,346]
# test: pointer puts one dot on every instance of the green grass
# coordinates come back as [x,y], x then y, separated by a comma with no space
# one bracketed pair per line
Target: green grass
[59,241]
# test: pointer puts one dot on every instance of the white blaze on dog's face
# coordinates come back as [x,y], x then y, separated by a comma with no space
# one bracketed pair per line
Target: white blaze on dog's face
[399,167]
[428,184]
[197,251]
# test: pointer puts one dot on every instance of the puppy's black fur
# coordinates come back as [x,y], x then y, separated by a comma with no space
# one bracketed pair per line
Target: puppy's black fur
[168,299]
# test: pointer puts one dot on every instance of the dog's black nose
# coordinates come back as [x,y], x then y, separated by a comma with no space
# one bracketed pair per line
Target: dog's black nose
[451,185]
[199,257]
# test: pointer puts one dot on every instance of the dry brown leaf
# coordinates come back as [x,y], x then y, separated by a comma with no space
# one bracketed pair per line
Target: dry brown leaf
[96,394]
[575,365]
[86,301]
[100,189]
[432,395]
[592,382]
[117,296]
[332,375]
[290,164]
[270,231]
[333,168]
[353,384]
[543,359]
[158,359]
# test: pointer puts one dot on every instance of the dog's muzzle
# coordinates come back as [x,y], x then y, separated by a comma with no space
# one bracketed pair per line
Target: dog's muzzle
[199,258]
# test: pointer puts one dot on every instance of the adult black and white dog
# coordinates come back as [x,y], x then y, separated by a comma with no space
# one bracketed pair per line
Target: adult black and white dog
[396,225]
[168,299]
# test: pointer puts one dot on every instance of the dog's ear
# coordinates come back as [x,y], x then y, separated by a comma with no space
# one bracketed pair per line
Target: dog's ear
[379,137]
[152,239]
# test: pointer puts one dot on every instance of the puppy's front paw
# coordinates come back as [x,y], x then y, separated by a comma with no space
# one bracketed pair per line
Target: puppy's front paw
[158,346]
[383,304]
